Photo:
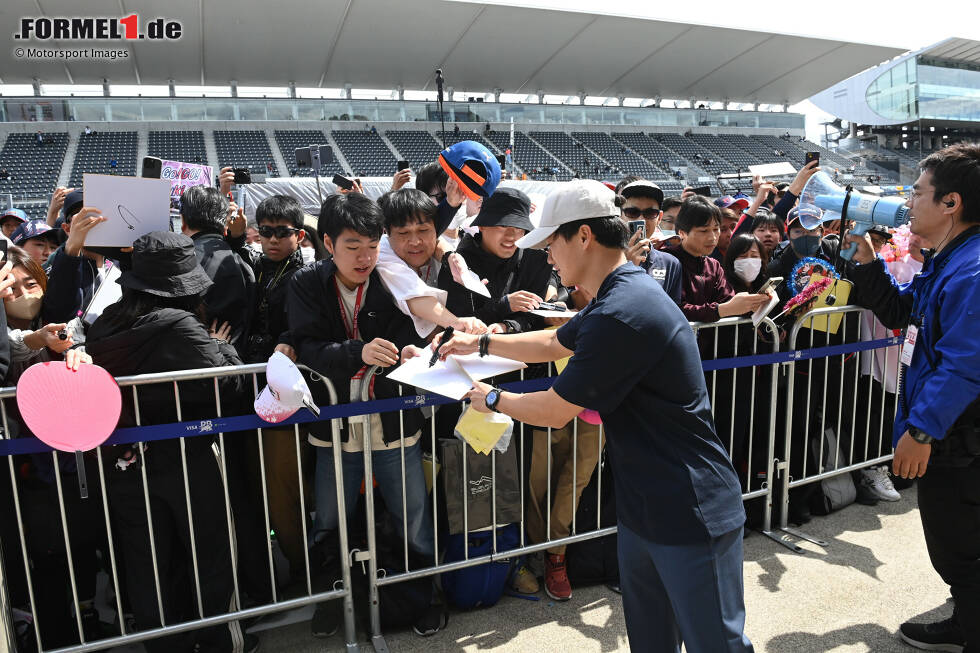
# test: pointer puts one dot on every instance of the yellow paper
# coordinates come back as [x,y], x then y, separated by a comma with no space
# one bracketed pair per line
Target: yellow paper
[482,430]
[841,290]
[561,362]
[427,470]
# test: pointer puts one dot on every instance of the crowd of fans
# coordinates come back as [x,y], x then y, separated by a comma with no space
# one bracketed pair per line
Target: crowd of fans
[354,287]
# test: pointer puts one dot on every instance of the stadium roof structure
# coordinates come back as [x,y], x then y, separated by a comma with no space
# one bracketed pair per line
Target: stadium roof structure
[954,49]
[390,43]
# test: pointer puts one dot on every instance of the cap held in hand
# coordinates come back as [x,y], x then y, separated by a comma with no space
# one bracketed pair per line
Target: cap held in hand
[285,393]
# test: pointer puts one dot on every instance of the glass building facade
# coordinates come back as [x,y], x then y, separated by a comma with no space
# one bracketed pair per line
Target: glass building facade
[920,88]
[102,109]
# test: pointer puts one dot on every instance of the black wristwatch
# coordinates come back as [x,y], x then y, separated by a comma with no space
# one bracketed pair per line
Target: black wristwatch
[492,399]
[915,432]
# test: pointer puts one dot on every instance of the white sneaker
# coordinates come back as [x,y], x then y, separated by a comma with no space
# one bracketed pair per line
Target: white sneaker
[879,484]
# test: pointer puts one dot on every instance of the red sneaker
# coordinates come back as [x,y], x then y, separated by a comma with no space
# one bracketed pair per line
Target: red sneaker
[556,583]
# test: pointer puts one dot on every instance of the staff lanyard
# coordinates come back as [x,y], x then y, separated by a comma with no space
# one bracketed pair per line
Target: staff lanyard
[351,330]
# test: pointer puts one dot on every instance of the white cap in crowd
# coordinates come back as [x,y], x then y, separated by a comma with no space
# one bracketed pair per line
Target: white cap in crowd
[285,393]
[579,199]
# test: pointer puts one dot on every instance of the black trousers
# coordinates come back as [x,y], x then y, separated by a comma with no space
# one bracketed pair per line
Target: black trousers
[173,543]
[949,505]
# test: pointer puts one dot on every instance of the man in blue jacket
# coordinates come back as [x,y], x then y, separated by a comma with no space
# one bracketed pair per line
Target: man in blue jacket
[937,425]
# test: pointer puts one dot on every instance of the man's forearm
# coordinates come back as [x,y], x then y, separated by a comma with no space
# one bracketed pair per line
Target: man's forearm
[531,347]
[429,308]
[531,408]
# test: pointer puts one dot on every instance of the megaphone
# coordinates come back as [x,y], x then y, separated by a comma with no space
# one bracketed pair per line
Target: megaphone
[838,203]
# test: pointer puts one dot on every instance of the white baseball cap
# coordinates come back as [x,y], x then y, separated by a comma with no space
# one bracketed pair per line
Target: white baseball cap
[579,199]
[285,393]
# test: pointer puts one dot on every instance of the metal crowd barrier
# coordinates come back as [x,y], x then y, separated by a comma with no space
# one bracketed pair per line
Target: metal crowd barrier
[867,351]
[751,367]
[209,428]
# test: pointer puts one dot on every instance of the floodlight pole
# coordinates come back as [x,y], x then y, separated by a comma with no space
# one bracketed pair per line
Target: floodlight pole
[442,114]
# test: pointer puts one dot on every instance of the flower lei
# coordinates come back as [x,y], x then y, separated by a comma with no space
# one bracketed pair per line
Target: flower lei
[803,300]
[897,249]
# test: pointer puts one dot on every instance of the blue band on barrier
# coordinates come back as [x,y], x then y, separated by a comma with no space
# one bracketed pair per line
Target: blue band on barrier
[216,425]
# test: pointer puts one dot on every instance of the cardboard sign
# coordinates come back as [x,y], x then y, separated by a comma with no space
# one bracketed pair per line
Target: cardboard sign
[133,206]
[184,175]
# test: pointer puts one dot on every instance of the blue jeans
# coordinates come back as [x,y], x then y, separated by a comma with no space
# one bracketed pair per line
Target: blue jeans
[689,593]
[388,472]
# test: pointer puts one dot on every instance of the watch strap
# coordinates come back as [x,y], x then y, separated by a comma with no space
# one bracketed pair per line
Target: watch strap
[920,436]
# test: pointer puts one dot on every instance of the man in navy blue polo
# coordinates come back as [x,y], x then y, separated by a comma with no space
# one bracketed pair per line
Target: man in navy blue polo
[636,362]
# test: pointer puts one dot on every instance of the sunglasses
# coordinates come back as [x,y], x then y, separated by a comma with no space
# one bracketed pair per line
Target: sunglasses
[279,231]
[633,213]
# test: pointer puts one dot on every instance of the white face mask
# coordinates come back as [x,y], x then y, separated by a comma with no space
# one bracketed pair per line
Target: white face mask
[748,269]
[309,255]
[25,307]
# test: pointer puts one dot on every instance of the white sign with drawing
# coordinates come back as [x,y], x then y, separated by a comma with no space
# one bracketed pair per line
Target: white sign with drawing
[133,206]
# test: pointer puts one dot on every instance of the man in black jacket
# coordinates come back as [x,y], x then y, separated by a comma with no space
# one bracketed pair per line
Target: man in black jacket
[517,279]
[203,213]
[343,321]
[280,226]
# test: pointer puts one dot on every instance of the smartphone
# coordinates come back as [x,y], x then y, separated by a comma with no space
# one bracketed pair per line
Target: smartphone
[341,181]
[638,225]
[152,167]
[704,191]
[502,160]
[402,165]
[770,284]
[812,156]
[3,247]
[242,176]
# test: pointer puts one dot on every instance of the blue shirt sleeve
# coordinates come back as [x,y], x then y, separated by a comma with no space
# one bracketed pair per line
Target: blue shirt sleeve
[610,358]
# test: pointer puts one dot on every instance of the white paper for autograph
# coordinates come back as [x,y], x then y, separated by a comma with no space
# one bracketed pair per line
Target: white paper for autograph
[446,379]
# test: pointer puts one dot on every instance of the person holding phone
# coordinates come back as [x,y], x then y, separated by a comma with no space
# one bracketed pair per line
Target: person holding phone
[706,295]
[641,200]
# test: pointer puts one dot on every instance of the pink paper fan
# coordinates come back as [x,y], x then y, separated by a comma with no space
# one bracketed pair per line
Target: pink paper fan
[70,411]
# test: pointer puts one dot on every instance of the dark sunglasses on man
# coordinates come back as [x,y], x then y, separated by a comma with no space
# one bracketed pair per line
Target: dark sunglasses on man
[633,213]
[279,231]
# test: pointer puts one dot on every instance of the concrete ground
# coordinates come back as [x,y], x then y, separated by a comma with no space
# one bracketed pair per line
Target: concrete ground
[848,597]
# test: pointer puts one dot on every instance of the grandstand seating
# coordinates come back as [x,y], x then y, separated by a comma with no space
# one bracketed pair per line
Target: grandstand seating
[624,161]
[540,154]
[416,146]
[366,153]
[97,150]
[536,162]
[451,138]
[694,153]
[725,150]
[652,150]
[186,146]
[290,139]
[573,155]
[33,168]
[244,148]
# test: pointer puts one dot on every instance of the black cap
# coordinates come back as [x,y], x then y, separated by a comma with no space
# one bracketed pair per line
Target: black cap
[165,264]
[73,204]
[881,230]
[507,207]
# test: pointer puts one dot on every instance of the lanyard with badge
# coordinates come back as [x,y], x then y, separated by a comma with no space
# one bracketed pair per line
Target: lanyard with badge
[353,334]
